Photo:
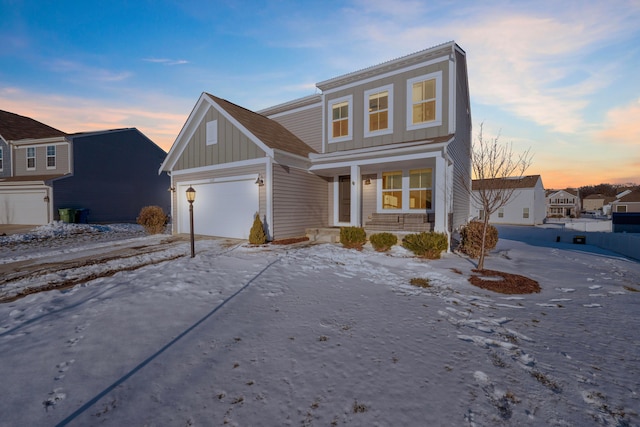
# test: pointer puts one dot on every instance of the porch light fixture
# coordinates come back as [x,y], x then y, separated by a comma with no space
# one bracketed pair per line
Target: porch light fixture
[260,181]
[367,181]
[191,197]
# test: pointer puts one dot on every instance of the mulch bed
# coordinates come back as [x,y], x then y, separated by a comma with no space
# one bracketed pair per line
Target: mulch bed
[508,284]
[290,241]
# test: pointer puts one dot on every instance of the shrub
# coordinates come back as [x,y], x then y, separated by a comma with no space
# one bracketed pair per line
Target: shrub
[471,236]
[426,245]
[153,219]
[257,236]
[353,237]
[382,242]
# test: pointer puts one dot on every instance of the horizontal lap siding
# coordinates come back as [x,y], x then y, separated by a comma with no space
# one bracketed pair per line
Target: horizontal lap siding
[306,125]
[300,201]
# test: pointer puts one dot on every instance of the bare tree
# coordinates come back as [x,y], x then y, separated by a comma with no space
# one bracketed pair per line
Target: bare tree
[492,163]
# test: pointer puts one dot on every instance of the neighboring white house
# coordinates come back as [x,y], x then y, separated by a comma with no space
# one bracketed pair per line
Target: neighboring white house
[563,203]
[527,203]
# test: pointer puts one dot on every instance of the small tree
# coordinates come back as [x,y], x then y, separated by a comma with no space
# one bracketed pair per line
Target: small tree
[492,163]
[257,236]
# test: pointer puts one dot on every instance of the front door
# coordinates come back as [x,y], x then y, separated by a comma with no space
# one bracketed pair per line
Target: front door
[344,198]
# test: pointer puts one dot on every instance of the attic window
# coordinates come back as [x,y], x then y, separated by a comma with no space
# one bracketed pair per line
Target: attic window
[212,132]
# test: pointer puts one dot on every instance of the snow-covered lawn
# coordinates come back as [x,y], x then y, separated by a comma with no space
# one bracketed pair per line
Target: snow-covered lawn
[319,335]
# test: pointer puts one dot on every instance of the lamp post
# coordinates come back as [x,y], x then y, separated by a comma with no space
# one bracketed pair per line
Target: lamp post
[191,196]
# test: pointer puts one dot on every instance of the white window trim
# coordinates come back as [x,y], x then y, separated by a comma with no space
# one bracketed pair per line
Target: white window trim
[1,159]
[212,132]
[330,104]
[55,157]
[389,90]
[405,192]
[438,121]
[34,159]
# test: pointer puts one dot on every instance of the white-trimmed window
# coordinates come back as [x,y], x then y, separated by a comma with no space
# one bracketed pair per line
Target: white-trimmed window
[409,190]
[525,212]
[51,157]
[621,208]
[212,132]
[501,213]
[31,158]
[424,101]
[378,116]
[340,119]
[1,160]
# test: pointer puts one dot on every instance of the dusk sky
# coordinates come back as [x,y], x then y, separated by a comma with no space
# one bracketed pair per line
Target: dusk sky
[558,77]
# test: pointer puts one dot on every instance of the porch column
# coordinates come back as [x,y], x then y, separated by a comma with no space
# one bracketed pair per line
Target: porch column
[440,195]
[356,192]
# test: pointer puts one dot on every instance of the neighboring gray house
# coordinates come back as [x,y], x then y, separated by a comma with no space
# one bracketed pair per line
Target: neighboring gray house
[527,205]
[387,148]
[629,202]
[112,174]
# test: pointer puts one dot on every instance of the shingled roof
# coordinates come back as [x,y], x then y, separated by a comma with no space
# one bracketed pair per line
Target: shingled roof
[632,197]
[528,181]
[270,132]
[14,127]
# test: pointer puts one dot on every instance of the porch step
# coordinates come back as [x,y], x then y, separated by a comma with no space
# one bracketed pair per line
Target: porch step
[401,222]
[323,235]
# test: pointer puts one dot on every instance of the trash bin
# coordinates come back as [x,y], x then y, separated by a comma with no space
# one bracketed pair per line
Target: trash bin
[82,216]
[581,240]
[67,215]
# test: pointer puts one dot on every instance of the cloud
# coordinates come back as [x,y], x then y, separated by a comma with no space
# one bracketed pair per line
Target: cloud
[81,72]
[622,126]
[155,116]
[166,61]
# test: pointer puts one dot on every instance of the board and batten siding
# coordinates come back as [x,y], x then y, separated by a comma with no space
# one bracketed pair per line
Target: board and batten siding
[20,160]
[306,124]
[187,179]
[400,132]
[300,201]
[232,146]
[460,149]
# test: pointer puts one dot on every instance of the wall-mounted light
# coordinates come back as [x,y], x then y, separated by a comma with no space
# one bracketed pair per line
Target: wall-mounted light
[367,181]
[172,189]
[260,181]
[46,198]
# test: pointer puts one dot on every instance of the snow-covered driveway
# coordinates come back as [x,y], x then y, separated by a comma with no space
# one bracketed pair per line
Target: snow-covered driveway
[320,335]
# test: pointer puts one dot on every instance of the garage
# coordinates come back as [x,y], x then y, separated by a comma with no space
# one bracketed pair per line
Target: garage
[19,205]
[222,208]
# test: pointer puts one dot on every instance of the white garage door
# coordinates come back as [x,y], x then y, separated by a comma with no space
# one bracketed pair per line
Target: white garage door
[20,206]
[223,209]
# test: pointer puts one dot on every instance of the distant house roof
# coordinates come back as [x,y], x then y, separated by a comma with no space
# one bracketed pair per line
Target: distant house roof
[632,197]
[528,181]
[14,127]
[270,132]
[595,197]
[571,191]
[30,178]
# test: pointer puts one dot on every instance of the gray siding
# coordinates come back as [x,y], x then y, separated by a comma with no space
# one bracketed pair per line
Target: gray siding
[369,194]
[62,161]
[460,149]
[115,175]
[232,146]
[299,202]
[305,124]
[400,132]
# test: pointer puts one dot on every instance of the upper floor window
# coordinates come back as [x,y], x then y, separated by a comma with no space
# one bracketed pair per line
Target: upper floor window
[51,157]
[378,118]
[525,212]
[1,159]
[621,208]
[341,113]
[501,213]
[31,158]
[424,101]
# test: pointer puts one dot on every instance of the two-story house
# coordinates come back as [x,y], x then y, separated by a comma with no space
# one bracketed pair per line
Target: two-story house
[110,175]
[387,147]
[563,203]
[527,205]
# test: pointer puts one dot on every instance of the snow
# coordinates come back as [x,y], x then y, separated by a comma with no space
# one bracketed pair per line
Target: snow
[319,335]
